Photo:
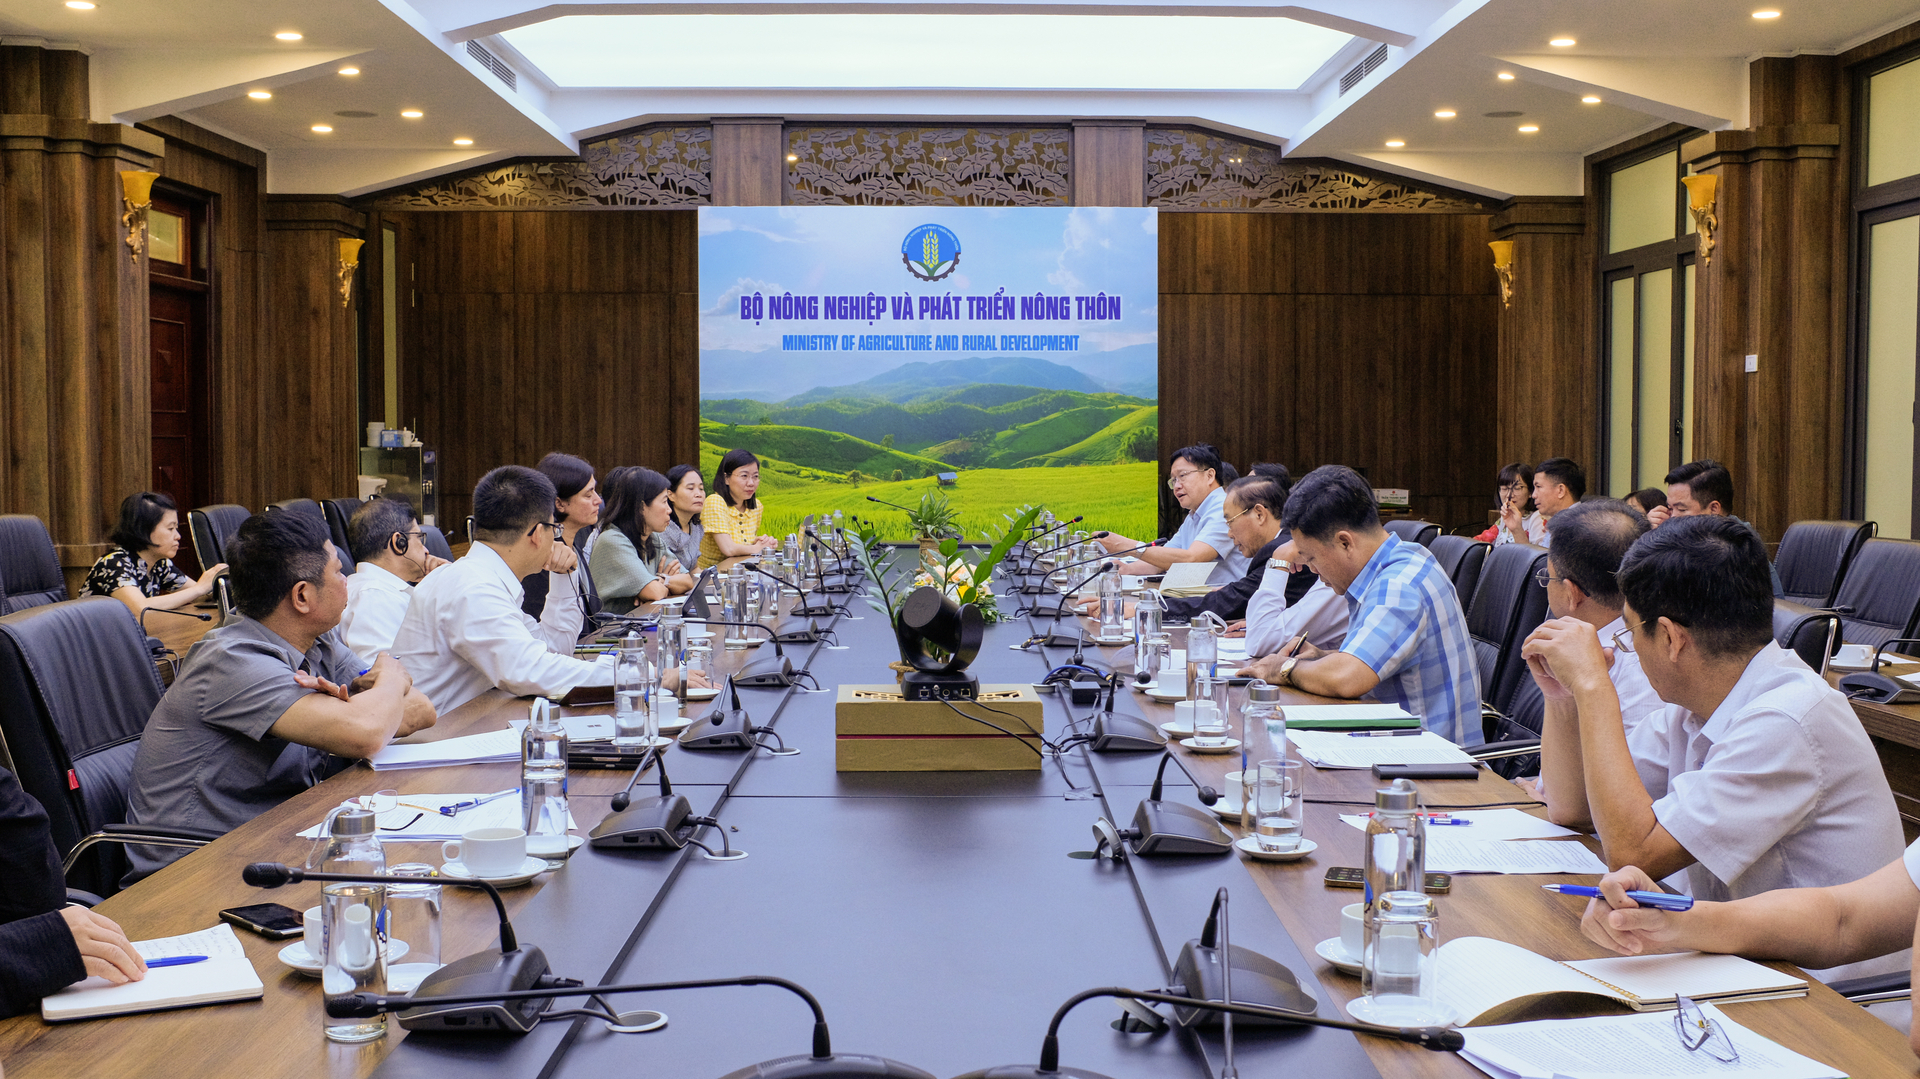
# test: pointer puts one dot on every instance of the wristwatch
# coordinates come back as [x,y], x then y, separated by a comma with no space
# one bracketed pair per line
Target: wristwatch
[1286,670]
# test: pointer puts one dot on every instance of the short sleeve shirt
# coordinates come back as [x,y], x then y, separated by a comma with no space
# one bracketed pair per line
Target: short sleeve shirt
[1208,524]
[619,572]
[122,567]
[206,759]
[737,522]
[1404,621]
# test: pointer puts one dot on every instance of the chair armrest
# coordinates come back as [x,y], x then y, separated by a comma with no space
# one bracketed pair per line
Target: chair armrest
[152,835]
[1517,747]
[82,898]
[1897,985]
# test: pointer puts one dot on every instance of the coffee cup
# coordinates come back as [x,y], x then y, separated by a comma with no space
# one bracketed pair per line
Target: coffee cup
[312,920]
[488,852]
[1352,926]
[1853,655]
[1236,789]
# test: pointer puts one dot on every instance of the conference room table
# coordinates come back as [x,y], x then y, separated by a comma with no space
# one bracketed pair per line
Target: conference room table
[940,917]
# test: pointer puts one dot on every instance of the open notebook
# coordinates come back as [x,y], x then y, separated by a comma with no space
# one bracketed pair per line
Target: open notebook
[1486,981]
[1187,579]
[225,976]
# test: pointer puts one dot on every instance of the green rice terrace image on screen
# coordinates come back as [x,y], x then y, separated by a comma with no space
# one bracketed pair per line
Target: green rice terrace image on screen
[869,350]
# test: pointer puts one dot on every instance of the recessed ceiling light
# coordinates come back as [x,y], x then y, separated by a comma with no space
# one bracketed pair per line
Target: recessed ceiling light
[1444,114]
[1562,43]
[412,114]
[258,95]
[1764,14]
[83,5]
[287,35]
[349,71]
[1505,76]
[1528,129]
[1590,100]
[322,129]
[1395,144]
[463,142]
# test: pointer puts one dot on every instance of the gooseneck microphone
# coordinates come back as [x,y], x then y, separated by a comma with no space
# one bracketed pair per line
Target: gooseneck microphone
[1042,535]
[648,760]
[798,627]
[1208,795]
[145,611]
[275,874]
[840,561]
[1161,827]
[762,673]
[662,822]
[884,502]
[1044,586]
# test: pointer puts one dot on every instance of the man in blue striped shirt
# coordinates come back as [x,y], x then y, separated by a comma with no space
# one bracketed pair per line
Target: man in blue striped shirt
[1407,637]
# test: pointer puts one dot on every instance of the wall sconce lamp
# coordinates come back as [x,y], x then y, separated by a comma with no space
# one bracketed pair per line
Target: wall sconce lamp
[349,262]
[137,187]
[1503,265]
[1700,198]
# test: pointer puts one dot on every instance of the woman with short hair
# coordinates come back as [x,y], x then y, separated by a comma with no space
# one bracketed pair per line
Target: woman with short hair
[139,572]
[732,513]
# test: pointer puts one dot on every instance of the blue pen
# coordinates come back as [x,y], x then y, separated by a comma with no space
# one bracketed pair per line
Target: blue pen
[457,807]
[1656,900]
[175,961]
[1407,733]
[1455,821]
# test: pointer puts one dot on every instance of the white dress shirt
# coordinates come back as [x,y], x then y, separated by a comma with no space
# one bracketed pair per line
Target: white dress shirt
[1321,614]
[377,602]
[465,633]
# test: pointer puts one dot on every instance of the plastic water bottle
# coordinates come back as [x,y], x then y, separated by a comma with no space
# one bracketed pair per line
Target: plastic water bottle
[1146,616]
[543,781]
[629,671]
[1395,858]
[353,916]
[1112,606]
[1263,736]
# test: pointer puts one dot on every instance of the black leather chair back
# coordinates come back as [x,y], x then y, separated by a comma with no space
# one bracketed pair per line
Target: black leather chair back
[1463,558]
[437,542]
[1420,532]
[29,569]
[1882,588]
[1805,632]
[1506,593]
[1814,558]
[339,511]
[211,528]
[77,686]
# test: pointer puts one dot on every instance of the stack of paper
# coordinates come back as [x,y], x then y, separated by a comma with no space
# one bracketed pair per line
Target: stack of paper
[1348,716]
[501,745]
[1339,749]
[418,818]
[225,976]
[1448,853]
[1626,1045]
[1488,824]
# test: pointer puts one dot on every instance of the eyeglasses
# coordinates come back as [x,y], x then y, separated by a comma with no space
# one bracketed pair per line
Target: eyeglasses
[1546,577]
[1698,1032]
[1623,640]
[1178,476]
[1239,515]
[555,525]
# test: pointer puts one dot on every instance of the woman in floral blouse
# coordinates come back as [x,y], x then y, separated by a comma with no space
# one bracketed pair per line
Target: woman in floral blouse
[140,573]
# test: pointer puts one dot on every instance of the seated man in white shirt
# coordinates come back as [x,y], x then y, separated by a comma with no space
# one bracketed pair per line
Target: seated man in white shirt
[1770,780]
[465,632]
[1589,542]
[390,556]
[1195,477]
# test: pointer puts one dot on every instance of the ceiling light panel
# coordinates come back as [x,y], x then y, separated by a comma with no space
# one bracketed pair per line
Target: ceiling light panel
[891,51]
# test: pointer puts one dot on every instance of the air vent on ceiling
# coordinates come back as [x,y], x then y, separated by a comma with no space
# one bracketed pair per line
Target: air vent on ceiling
[504,73]
[1352,78]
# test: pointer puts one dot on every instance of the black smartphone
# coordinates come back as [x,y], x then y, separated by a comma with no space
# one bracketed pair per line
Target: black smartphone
[270,920]
[1345,876]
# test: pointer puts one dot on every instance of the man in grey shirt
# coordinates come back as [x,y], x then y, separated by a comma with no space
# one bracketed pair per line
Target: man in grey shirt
[267,706]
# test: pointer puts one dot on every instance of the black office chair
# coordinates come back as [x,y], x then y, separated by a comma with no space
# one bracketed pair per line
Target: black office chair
[339,511]
[77,686]
[1420,532]
[437,542]
[1508,604]
[211,528]
[1462,558]
[1815,556]
[29,569]
[1808,632]
[1880,597]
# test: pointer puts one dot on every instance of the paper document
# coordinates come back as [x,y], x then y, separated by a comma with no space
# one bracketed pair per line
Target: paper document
[418,820]
[1450,853]
[225,976]
[1185,577]
[1338,749]
[1488,824]
[501,745]
[1619,1046]
[1333,716]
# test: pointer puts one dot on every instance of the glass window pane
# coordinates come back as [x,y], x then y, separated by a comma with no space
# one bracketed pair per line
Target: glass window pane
[1893,324]
[1620,380]
[1893,139]
[163,236]
[1686,367]
[1642,203]
[1655,389]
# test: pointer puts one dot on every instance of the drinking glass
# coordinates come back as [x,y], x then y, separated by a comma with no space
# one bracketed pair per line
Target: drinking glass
[1209,713]
[1278,805]
[413,928]
[351,959]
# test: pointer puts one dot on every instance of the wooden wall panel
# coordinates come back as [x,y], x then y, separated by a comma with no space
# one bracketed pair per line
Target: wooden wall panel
[312,408]
[1109,163]
[749,161]
[1548,381]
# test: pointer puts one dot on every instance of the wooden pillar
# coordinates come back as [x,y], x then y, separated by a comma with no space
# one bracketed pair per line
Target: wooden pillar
[749,161]
[1109,163]
[1771,292]
[312,419]
[1548,382]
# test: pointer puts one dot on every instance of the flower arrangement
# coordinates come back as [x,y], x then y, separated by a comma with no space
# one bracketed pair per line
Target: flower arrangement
[966,582]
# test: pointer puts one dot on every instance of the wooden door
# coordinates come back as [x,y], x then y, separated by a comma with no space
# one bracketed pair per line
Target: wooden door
[178,296]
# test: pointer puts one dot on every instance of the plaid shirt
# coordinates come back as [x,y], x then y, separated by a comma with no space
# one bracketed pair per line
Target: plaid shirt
[1405,623]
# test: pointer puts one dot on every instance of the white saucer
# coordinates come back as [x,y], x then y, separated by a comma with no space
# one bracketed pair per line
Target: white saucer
[1836,665]
[1228,746]
[296,956]
[573,844]
[1225,810]
[530,867]
[1362,1009]
[695,694]
[698,633]
[1335,953]
[1109,641]
[1250,846]
[1173,728]
[745,642]
[1169,694]
[675,726]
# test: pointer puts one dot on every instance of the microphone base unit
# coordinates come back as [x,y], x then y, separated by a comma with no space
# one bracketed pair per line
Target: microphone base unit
[1257,979]
[919,685]
[1172,828]
[485,972]
[725,730]
[1118,733]
[655,823]
[799,629]
[776,672]
[837,1066]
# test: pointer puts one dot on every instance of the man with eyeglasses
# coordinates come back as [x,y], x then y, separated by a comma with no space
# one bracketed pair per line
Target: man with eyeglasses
[464,632]
[1770,781]
[390,555]
[1196,478]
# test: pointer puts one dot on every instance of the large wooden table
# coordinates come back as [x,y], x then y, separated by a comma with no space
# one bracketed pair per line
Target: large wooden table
[281,1034]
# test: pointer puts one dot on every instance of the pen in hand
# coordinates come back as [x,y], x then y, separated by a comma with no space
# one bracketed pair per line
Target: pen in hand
[1656,900]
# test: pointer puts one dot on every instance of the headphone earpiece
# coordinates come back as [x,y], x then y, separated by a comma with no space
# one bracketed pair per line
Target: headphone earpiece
[401,541]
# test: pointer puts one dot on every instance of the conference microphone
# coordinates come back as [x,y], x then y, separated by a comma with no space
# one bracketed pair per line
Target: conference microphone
[828,584]
[1030,541]
[729,727]
[762,673]
[482,982]
[1064,601]
[1438,1039]
[663,822]
[1119,732]
[154,644]
[796,628]
[884,502]
[823,1063]
[1161,827]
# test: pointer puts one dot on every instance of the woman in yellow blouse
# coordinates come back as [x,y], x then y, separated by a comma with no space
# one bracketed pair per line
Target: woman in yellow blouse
[732,513]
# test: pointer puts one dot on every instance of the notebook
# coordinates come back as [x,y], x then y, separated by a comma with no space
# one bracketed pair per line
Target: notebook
[1333,717]
[1486,981]
[1187,579]
[225,976]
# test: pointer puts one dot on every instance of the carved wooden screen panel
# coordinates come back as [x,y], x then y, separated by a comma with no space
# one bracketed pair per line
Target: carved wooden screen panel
[658,166]
[1191,169]
[929,166]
